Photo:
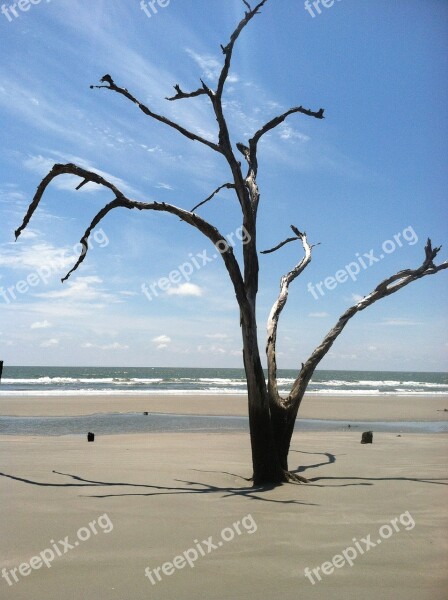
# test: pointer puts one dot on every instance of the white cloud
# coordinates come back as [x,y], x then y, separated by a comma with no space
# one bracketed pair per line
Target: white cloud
[217,336]
[399,322]
[38,256]
[41,325]
[287,133]
[164,186]
[28,234]
[113,346]
[49,343]
[81,290]
[162,339]
[210,66]
[185,289]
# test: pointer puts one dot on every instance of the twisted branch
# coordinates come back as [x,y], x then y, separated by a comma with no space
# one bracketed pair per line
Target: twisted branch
[122,201]
[385,288]
[278,306]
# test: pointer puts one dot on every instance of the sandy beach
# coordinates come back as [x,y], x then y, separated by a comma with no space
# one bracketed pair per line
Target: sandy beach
[155,498]
[340,408]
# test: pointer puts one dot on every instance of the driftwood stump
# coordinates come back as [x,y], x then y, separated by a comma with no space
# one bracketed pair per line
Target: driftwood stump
[90,437]
[367,437]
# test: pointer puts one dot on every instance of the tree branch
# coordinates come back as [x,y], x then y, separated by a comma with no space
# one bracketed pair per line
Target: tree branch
[180,95]
[277,308]
[250,153]
[228,50]
[385,288]
[111,85]
[247,192]
[229,186]
[122,201]
[287,241]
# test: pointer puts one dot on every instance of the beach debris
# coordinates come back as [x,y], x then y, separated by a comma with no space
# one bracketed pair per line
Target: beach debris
[146,412]
[90,437]
[367,437]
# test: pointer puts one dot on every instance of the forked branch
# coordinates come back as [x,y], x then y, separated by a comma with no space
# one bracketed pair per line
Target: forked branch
[278,306]
[385,288]
[122,201]
[180,95]
[250,153]
[111,85]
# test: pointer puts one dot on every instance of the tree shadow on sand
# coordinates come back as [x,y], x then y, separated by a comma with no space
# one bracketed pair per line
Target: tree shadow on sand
[360,480]
[248,491]
[189,487]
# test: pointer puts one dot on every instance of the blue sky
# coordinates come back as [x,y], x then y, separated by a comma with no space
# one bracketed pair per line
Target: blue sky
[370,177]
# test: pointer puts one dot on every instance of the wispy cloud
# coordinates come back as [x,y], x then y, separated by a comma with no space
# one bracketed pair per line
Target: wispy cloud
[210,66]
[49,343]
[41,325]
[35,257]
[113,346]
[217,336]
[82,289]
[399,322]
[162,339]
[185,289]
[164,186]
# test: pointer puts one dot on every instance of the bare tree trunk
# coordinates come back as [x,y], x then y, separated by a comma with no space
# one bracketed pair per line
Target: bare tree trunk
[265,456]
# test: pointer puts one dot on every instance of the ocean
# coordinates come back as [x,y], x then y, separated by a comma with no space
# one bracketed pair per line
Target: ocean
[71,381]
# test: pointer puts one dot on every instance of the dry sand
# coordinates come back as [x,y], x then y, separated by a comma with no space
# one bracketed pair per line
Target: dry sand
[163,491]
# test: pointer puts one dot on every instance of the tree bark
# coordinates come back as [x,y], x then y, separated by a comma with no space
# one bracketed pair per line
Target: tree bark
[265,457]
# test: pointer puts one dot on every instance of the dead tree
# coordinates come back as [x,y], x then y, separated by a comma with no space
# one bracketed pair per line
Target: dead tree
[271,416]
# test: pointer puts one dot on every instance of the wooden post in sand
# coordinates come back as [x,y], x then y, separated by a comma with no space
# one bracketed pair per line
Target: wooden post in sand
[1,370]
[367,437]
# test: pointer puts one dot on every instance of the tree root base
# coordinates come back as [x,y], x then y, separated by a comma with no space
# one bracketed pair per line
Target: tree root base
[285,477]
[294,478]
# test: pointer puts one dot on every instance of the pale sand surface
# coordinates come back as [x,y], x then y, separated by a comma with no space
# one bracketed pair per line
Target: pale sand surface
[189,486]
[372,408]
